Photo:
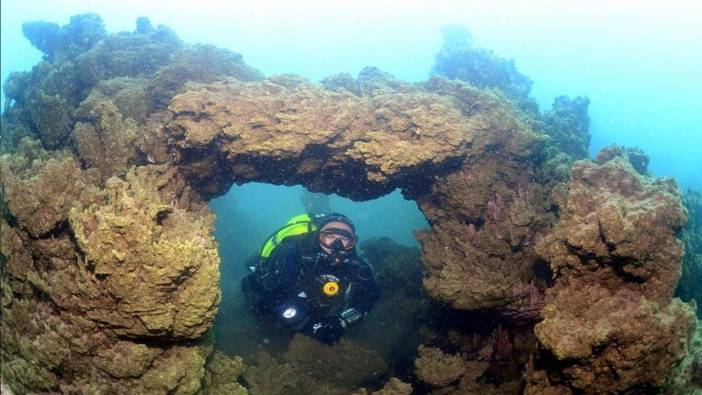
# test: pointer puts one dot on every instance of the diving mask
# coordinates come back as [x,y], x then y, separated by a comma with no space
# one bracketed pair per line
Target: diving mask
[337,239]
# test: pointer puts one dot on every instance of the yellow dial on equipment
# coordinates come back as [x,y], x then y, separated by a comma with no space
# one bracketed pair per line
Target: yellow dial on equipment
[331,288]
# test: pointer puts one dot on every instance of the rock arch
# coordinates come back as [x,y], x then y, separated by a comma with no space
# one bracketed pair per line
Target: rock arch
[108,253]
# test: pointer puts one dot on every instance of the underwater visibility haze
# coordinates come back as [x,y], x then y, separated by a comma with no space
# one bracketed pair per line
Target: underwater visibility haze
[522,179]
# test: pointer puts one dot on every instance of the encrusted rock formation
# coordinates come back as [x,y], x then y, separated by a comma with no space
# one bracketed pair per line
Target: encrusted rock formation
[110,280]
[609,319]
[690,287]
[482,68]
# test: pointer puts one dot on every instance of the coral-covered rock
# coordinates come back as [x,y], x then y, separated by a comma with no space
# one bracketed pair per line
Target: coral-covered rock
[618,227]
[619,339]
[222,374]
[394,386]
[345,364]
[568,126]
[690,286]
[156,262]
[610,322]
[79,35]
[341,81]
[266,375]
[105,140]
[635,156]
[687,377]
[41,187]
[362,148]
[437,368]
[482,68]
[188,65]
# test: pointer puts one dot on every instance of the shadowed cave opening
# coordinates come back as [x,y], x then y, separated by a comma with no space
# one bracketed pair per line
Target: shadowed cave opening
[250,213]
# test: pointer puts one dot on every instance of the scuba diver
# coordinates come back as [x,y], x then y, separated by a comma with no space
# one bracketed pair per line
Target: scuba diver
[309,278]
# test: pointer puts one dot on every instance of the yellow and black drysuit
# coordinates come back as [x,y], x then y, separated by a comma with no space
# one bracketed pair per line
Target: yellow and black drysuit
[311,291]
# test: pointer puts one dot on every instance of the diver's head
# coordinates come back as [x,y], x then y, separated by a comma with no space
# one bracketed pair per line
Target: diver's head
[337,236]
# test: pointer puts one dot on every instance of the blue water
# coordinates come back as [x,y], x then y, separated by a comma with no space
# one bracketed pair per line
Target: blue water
[639,62]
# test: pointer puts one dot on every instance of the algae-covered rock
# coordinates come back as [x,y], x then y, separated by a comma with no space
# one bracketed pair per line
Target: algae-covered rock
[437,368]
[266,375]
[51,116]
[635,156]
[687,377]
[486,214]
[618,227]
[126,359]
[40,187]
[345,364]
[105,140]
[127,94]
[389,328]
[341,81]
[619,339]
[222,374]
[26,377]
[34,350]
[610,321]
[482,68]
[179,371]
[690,286]
[568,126]
[79,55]
[157,263]
[310,367]
[67,41]
[484,219]
[187,65]
[394,386]
[370,145]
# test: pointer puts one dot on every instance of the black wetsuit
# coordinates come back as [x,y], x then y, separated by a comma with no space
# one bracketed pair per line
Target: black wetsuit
[289,286]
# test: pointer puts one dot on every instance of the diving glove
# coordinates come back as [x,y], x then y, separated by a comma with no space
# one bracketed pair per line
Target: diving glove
[351,315]
[328,330]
